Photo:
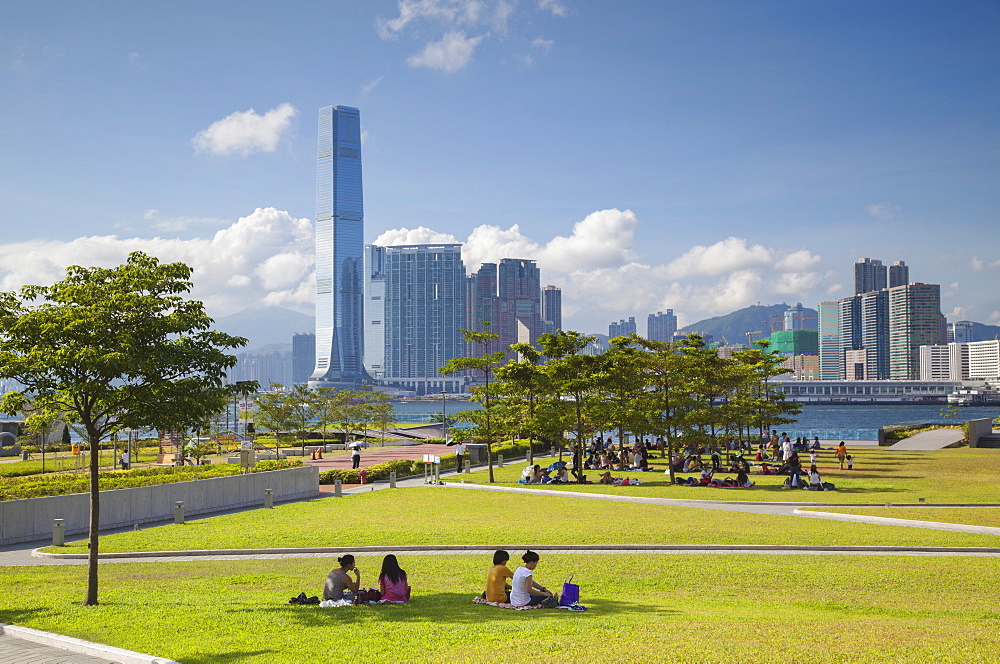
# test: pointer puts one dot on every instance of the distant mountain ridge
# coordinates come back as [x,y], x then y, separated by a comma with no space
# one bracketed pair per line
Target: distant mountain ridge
[265,325]
[733,327]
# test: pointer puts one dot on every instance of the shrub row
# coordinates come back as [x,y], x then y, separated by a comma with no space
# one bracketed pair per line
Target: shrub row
[66,483]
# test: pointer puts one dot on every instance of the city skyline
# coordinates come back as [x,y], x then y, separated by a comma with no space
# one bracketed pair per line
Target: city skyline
[713,177]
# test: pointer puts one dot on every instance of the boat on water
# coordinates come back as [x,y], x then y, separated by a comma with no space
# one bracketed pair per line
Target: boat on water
[974,397]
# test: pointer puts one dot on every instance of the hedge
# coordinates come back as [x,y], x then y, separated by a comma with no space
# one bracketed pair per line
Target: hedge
[66,483]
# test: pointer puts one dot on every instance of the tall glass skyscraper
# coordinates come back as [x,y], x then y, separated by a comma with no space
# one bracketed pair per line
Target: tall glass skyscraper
[339,243]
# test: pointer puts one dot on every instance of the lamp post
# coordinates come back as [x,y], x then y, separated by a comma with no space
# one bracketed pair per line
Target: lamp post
[444,416]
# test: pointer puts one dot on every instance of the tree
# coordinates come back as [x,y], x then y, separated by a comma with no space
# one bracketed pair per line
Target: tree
[114,348]
[484,364]
[287,413]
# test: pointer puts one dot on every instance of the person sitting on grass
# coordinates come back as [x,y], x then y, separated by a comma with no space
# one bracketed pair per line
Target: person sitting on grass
[338,584]
[815,483]
[392,581]
[605,478]
[524,591]
[497,587]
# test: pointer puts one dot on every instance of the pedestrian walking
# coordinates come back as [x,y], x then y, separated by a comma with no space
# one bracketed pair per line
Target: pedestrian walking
[459,456]
[355,457]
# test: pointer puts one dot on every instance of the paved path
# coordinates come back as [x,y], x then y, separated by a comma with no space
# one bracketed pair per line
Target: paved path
[373,457]
[929,441]
[23,645]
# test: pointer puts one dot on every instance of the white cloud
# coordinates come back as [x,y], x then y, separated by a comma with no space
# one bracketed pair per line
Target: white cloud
[798,261]
[557,7]
[447,12]
[995,316]
[264,256]
[883,211]
[544,44]
[597,268]
[451,53]
[979,265]
[418,235]
[723,256]
[370,85]
[442,26]
[245,132]
[958,313]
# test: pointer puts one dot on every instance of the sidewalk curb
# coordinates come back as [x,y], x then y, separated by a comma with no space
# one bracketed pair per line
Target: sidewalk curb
[889,521]
[459,548]
[80,646]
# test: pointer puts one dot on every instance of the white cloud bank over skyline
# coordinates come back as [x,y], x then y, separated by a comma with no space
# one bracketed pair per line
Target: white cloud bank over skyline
[267,257]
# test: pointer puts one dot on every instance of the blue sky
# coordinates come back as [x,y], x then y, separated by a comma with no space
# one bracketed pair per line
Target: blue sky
[700,156]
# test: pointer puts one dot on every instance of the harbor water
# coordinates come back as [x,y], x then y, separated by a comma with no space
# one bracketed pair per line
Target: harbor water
[841,422]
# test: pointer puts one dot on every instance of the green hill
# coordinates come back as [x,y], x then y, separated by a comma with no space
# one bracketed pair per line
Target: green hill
[733,327]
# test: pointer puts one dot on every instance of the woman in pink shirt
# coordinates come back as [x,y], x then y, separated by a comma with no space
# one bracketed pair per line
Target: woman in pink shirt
[392,581]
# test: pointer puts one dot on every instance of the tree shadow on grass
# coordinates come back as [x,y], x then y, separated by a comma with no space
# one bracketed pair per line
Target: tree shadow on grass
[217,657]
[445,607]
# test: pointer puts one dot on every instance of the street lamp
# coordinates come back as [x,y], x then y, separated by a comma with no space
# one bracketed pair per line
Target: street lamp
[444,415]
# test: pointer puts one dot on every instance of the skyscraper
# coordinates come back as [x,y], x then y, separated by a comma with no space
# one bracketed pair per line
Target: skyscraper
[519,292]
[661,326]
[622,328]
[914,320]
[830,352]
[899,274]
[875,333]
[339,240]
[375,310]
[424,311]
[869,275]
[552,308]
[303,357]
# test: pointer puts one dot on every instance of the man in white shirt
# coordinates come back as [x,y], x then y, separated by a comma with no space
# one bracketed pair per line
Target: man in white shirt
[523,587]
[459,456]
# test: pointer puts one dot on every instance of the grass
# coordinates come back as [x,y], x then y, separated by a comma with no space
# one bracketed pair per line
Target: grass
[973,516]
[439,515]
[960,475]
[689,608]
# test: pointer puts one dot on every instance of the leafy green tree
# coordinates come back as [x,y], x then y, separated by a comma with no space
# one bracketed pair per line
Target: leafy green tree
[287,414]
[114,348]
[485,364]
[576,382]
[521,385]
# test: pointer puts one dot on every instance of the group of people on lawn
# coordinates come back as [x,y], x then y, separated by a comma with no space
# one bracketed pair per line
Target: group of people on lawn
[517,588]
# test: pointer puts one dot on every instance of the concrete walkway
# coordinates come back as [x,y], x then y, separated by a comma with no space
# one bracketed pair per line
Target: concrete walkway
[23,645]
[928,441]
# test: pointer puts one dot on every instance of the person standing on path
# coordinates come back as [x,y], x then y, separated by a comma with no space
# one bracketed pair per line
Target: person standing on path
[125,460]
[355,457]
[459,456]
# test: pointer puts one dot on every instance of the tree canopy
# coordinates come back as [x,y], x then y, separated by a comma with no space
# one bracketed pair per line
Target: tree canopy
[114,348]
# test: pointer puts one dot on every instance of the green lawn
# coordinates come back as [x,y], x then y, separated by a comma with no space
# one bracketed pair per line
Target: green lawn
[973,516]
[683,608]
[961,475]
[441,515]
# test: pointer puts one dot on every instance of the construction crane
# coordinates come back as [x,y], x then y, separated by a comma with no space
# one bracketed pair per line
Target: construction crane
[750,337]
[780,322]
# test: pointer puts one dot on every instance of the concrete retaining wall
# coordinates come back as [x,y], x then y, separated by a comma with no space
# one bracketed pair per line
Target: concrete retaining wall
[31,519]
[978,429]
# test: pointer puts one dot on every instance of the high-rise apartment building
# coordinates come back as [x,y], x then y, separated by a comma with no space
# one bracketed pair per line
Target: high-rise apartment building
[661,326]
[303,357]
[961,332]
[374,310]
[622,328]
[552,309]
[850,329]
[869,275]
[899,274]
[339,240]
[875,333]
[520,298]
[425,289]
[914,320]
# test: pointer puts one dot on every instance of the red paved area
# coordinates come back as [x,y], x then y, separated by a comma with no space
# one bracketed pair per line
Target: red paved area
[375,456]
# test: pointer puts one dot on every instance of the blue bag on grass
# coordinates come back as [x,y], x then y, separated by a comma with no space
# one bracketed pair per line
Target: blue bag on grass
[570,592]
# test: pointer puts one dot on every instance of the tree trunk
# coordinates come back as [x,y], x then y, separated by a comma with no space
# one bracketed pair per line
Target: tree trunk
[95,521]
